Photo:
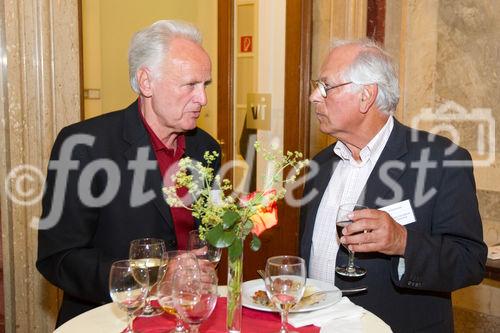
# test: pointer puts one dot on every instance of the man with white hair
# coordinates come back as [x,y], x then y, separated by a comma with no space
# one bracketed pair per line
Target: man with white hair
[430,241]
[116,165]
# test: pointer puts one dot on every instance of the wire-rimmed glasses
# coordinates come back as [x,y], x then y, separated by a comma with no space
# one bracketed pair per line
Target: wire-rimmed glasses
[324,88]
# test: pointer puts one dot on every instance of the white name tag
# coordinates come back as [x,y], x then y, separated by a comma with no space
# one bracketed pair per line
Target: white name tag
[401,212]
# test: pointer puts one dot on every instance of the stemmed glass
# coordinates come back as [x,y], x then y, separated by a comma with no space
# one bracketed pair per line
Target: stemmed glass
[128,287]
[203,249]
[285,279]
[341,222]
[174,261]
[195,294]
[147,253]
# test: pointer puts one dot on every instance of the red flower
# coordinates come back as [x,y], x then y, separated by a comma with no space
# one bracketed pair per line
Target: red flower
[267,211]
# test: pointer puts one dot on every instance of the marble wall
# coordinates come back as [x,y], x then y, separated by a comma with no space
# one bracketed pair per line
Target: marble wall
[39,94]
[447,52]
[467,72]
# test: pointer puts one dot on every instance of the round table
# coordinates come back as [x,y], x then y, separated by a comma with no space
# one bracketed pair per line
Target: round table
[109,318]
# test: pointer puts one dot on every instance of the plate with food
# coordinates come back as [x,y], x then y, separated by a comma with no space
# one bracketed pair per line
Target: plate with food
[254,296]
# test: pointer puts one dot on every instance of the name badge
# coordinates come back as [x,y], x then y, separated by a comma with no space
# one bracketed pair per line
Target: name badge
[401,212]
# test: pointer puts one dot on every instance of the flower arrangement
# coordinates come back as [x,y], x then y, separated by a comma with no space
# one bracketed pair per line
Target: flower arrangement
[226,218]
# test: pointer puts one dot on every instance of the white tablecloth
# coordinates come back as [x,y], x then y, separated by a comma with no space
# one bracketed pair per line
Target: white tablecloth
[109,318]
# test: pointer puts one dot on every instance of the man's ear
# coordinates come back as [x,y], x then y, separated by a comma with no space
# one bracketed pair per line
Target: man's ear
[368,96]
[144,80]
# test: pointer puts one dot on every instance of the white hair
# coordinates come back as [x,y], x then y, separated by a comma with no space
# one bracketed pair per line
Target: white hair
[149,46]
[373,65]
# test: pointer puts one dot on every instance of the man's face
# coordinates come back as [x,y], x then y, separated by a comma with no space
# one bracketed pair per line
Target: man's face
[338,113]
[178,87]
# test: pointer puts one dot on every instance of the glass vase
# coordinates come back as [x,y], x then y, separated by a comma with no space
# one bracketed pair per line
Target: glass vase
[234,283]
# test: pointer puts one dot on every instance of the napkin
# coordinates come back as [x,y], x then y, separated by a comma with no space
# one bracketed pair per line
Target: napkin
[341,314]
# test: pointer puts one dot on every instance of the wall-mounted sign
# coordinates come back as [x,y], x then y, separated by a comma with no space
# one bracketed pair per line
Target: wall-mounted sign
[245,44]
[259,111]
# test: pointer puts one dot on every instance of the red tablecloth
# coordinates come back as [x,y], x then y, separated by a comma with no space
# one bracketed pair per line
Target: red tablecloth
[253,321]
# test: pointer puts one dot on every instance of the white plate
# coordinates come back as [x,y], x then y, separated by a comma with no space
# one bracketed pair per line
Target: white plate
[250,287]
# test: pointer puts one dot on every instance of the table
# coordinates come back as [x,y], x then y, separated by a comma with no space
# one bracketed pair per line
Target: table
[493,269]
[109,318]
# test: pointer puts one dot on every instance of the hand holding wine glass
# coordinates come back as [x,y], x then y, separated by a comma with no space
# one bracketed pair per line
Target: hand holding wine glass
[128,287]
[342,221]
[147,253]
[203,249]
[285,279]
[174,261]
[195,294]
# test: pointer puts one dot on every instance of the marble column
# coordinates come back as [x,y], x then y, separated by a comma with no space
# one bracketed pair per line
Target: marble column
[39,94]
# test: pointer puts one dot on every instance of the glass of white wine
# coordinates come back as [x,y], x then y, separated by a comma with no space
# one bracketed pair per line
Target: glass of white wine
[147,253]
[128,287]
[174,261]
[285,279]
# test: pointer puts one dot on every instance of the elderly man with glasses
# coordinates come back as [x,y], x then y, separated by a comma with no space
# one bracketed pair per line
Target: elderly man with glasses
[429,242]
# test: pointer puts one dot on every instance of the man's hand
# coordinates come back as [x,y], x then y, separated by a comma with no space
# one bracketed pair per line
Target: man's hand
[374,231]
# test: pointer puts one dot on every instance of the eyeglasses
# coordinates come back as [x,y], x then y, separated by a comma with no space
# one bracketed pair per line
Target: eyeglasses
[323,88]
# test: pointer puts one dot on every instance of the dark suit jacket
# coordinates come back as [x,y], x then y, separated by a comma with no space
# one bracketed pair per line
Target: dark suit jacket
[76,254]
[445,249]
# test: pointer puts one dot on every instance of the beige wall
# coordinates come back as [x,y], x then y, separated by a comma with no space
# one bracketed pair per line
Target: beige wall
[271,74]
[112,25]
[259,71]
[447,50]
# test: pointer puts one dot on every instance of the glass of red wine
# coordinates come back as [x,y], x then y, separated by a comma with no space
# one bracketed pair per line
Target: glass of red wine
[342,221]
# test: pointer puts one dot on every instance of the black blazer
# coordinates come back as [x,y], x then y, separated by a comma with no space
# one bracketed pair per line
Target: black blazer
[76,254]
[445,249]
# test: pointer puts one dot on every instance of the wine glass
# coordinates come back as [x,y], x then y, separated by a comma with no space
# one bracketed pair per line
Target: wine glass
[147,253]
[341,222]
[203,249]
[174,261]
[285,279]
[195,294]
[128,287]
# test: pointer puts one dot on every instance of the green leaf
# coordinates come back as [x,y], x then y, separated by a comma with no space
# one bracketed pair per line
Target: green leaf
[247,226]
[229,218]
[220,238]
[213,235]
[255,243]
[235,250]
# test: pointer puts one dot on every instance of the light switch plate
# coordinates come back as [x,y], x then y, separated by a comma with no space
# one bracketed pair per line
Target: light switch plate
[259,111]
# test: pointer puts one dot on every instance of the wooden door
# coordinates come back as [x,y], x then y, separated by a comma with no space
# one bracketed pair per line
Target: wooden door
[282,239]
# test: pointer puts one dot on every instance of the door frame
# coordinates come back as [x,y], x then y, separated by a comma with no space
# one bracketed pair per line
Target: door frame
[298,42]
